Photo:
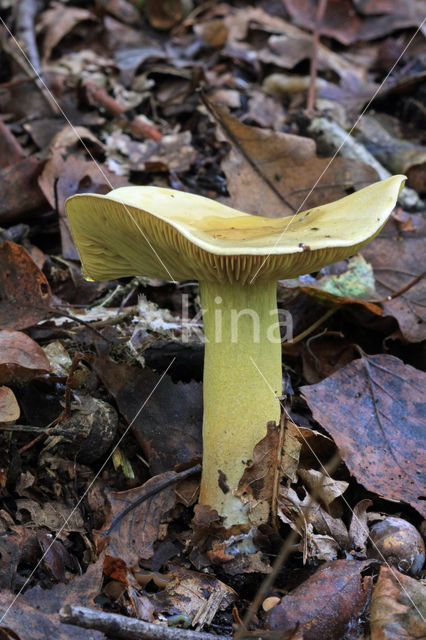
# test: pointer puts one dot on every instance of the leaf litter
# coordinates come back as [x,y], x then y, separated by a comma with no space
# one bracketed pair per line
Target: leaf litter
[76,357]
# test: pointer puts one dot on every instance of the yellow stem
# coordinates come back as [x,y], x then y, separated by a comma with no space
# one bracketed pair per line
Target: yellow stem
[240,326]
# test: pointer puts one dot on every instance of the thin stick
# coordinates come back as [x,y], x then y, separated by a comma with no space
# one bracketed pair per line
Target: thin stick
[128,628]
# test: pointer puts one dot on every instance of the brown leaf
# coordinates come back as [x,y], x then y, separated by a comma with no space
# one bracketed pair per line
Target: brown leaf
[169,427]
[340,21]
[38,608]
[25,295]
[277,454]
[50,515]
[63,178]
[287,45]
[398,606]
[19,191]
[20,358]
[358,530]
[57,21]
[188,591]
[173,153]
[9,407]
[134,535]
[396,259]
[271,173]
[324,604]
[371,408]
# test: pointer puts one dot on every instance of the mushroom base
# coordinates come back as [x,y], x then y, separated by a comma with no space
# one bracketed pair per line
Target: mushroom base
[242,379]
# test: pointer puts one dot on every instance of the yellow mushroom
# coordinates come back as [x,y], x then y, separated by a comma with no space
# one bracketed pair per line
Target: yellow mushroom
[237,259]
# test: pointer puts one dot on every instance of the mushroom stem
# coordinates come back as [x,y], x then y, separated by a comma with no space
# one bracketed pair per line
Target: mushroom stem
[241,332]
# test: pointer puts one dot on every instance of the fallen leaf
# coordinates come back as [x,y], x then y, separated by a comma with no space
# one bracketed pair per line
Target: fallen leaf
[20,358]
[189,592]
[276,455]
[169,426]
[325,488]
[398,606]
[340,21]
[134,535]
[173,153]
[358,530]
[19,190]
[38,608]
[25,295]
[371,408]
[271,173]
[396,259]
[56,22]
[54,516]
[325,604]
[9,407]
[62,178]
[286,46]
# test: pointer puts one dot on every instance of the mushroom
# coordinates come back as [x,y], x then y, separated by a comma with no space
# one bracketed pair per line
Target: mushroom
[237,259]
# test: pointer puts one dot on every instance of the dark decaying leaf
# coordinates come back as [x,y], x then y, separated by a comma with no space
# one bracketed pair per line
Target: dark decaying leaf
[37,609]
[396,256]
[25,295]
[372,408]
[20,357]
[398,606]
[169,425]
[324,604]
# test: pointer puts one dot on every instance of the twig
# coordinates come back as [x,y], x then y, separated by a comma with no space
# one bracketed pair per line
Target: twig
[403,289]
[30,428]
[310,102]
[128,628]
[26,13]
[152,492]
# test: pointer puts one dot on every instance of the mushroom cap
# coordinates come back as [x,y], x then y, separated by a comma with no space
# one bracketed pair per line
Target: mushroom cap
[169,234]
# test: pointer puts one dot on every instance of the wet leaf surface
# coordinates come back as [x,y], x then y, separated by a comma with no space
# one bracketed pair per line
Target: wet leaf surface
[377,424]
[25,295]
